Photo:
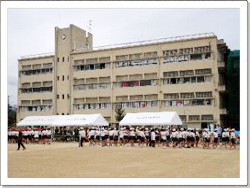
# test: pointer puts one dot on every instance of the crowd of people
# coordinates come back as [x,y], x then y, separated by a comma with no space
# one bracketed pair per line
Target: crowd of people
[154,137]
[133,136]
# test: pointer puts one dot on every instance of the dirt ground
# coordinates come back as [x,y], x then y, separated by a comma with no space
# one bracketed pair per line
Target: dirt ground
[67,160]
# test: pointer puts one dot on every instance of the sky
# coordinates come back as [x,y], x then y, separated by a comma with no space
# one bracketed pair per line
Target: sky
[31,31]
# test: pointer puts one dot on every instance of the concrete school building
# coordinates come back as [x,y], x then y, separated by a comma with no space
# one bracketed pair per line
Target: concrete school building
[185,74]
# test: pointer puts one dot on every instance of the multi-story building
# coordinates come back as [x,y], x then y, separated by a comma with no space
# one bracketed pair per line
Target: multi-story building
[183,74]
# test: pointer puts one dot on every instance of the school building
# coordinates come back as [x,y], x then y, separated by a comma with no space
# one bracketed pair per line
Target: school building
[185,74]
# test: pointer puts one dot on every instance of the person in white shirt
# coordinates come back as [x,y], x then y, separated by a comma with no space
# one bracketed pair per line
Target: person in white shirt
[132,137]
[36,135]
[111,136]
[206,137]
[140,137]
[25,135]
[82,135]
[91,136]
[174,138]
[115,133]
[152,138]
[192,135]
[215,138]
[146,132]
[163,135]
[126,135]
[97,136]
[121,136]
[225,137]
[197,137]
[233,139]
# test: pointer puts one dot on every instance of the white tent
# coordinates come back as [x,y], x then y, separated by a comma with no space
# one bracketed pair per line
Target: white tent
[81,120]
[38,121]
[151,118]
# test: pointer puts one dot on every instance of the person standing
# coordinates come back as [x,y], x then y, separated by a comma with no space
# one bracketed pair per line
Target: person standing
[82,135]
[152,138]
[19,140]
[233,139]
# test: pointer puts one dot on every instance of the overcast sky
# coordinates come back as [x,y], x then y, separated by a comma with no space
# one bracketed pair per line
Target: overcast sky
[31,31]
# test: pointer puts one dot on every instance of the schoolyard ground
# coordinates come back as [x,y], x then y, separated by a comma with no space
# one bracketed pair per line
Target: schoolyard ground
[67,160]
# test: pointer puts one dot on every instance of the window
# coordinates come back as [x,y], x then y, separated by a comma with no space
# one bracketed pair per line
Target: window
[171,96]
[194,118]
[68,77]
[63,59]
[187,95]
[62,96]
[58,78]
[67,96]
[62,113]
[57,96]
[58,59]
[207,117]
[63,78]
[203,94]
[170,74]
[203,71]
[68,59]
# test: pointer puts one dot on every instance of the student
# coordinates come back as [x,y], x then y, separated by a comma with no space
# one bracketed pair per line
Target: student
[82,135]
[215,138]
[121,136]
[233,139]
[163,135]
[132,136]
[115,133]
[152,138]
[19,140]
[111,136]
[140,137]
[97,136]
[91,136]
[146,132]
[174,138]
[197,137]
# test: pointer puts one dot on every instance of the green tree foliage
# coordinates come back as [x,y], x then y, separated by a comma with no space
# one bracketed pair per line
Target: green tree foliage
[119,113]
[11,115]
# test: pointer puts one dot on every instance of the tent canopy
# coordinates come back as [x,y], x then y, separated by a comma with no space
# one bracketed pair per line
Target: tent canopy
[81,120]
[151,118]
[64,120]
[37,121]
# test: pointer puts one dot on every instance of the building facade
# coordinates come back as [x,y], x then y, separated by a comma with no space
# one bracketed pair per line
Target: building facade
[184,74]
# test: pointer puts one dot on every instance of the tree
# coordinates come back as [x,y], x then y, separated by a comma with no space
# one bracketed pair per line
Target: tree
[119,113]
[11,115]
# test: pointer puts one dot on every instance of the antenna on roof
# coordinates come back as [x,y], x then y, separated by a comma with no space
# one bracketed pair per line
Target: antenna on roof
[90,26]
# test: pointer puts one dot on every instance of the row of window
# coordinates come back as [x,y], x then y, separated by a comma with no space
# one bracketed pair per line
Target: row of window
[192,50]
[92,66]
[36,102]
[92,106]
[194,102]
[188,95]
[36,90]
[188,80]
[37,84]
[36,72]
[37,66]
[92,86]
[208,117]
[139,62]
[42,108]
[181,58]
[187,72]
